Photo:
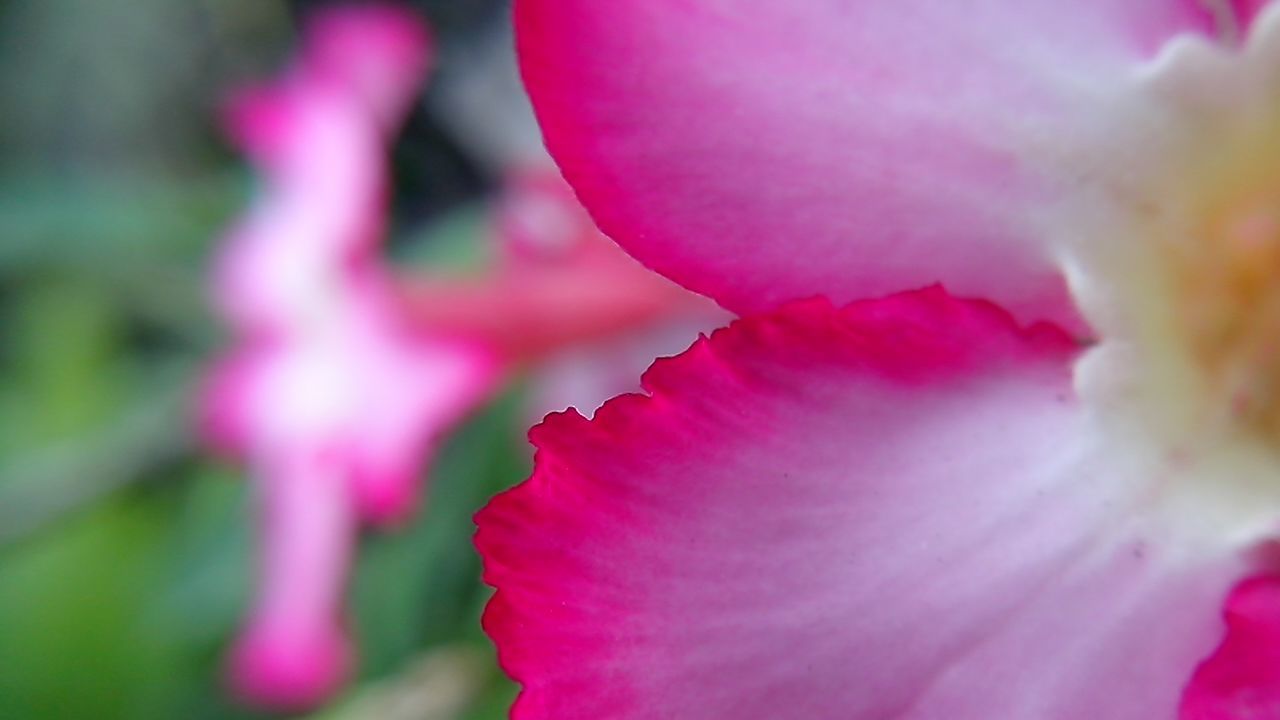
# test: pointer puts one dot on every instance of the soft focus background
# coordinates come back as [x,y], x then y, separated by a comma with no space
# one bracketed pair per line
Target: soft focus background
[125,552]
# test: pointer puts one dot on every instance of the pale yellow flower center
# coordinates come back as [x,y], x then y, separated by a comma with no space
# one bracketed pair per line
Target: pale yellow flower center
[1226,310]
[1171,239]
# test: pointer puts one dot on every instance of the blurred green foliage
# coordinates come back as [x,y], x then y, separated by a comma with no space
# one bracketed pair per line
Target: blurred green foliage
[125,553]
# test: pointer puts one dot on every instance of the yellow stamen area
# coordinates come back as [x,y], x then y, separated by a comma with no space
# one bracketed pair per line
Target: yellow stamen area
[1175,261]
[1226,309]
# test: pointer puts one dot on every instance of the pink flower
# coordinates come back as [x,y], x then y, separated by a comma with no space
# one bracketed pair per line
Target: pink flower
[318,135]
[346,373]
[333,396]
[1064,505]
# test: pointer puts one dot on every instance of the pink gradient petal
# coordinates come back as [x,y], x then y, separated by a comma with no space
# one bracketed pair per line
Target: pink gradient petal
[364,384]
[1241,680]
[411,390]
[318,137]
[557,282]
[293,652]
[337,425]
[330,397]
[289,671]
[380,51]
[764,151]
[893,511]
[319,217]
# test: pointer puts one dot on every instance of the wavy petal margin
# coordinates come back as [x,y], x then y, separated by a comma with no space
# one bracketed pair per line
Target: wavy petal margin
[894,510]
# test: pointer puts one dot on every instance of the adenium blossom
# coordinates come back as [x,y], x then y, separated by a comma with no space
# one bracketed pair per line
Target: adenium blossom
[346,372]
[332,396]
[1030,471]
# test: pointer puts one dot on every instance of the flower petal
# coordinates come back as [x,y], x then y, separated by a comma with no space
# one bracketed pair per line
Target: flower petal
[412,391]
[294,651]
[377,50]
[894,510]
[558,282]
[287,261]
[1240,680]
[318,137]
[764,151]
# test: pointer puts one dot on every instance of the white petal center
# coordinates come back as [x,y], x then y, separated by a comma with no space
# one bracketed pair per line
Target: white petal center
[1171,238]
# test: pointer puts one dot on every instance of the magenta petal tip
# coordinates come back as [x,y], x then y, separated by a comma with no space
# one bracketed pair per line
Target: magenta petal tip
[284,671]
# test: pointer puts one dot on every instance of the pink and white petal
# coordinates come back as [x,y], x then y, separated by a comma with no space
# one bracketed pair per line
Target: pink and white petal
[529,312]
[1241,680]
[284,264]
[411,394]
[379,51]
[763,151]
[893,511]
[294,652]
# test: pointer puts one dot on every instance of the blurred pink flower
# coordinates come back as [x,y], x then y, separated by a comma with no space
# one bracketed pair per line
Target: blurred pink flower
[345,374]
[916,506]
[556,287]
[332,397]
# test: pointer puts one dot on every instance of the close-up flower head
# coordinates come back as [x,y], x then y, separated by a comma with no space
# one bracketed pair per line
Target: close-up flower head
[996,436]
[910,360]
